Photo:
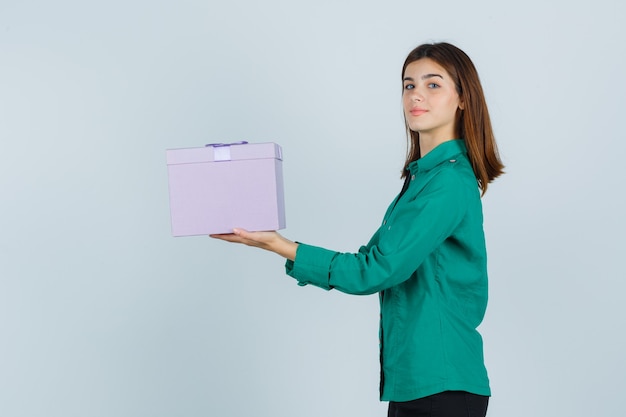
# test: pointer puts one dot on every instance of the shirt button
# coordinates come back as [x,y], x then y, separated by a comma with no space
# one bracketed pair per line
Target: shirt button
[453,160]
[384,222]
[412,177]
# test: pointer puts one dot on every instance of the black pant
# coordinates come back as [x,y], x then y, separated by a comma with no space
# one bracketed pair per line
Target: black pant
[444,404]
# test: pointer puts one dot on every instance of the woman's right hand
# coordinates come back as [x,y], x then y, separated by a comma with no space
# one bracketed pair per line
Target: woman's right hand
[271,241]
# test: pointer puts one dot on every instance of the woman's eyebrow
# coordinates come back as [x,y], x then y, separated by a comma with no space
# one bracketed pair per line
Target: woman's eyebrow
[424,77]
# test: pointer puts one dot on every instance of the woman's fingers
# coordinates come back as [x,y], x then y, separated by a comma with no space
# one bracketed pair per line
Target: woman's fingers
[261,239]
[230,237]
[271,241]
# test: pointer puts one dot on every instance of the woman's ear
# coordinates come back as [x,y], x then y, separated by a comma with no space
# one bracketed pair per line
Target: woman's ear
[461,104]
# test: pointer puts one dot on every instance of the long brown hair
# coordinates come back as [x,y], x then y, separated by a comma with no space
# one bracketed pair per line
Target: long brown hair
[472,123]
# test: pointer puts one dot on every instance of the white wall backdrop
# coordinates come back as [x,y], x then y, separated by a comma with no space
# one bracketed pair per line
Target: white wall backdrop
[103,313]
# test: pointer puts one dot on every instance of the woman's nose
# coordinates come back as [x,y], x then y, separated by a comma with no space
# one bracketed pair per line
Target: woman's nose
[416,96]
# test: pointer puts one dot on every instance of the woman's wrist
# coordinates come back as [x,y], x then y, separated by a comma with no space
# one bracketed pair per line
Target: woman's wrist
[286,248]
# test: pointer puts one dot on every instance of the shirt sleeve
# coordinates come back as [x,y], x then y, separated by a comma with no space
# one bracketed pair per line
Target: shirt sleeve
[416,227]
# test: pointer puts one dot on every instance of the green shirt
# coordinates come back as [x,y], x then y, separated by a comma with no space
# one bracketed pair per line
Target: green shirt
[428,262]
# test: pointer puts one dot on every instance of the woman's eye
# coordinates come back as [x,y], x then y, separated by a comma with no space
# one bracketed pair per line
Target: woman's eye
[409,87]
[433,85]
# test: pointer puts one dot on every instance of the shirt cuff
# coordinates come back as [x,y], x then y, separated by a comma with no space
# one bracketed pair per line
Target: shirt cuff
[311,266]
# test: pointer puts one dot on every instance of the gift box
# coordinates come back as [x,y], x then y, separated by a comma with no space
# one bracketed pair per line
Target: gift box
[218,187]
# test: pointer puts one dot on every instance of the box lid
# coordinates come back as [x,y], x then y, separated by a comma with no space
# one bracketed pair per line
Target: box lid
[220,152]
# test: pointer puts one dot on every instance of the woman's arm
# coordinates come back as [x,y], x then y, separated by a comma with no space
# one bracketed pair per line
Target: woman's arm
[417,226]
[271,241]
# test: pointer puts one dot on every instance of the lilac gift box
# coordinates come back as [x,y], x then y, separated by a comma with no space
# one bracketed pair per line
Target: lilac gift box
[218,187]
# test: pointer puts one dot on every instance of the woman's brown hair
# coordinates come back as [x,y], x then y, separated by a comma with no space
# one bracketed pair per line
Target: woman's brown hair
[473,123]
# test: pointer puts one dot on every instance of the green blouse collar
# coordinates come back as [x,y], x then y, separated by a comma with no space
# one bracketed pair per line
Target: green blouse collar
[441,153]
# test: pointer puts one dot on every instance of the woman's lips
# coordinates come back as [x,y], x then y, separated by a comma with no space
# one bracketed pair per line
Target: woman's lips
[417,112]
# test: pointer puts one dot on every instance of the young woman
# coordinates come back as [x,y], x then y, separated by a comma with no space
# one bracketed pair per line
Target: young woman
[427,260]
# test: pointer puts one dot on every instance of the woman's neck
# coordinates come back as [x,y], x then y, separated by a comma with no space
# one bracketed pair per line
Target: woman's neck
[427,144]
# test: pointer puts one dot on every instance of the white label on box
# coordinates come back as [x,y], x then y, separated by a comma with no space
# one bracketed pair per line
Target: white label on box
[221,153]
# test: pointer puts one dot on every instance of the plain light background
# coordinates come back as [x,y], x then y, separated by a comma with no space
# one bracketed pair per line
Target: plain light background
[103,313]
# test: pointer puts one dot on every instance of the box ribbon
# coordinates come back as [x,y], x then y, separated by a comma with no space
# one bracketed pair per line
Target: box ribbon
[221,151]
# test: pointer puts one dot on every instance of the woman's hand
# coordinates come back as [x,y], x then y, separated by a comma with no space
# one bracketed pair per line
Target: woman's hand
[271,241]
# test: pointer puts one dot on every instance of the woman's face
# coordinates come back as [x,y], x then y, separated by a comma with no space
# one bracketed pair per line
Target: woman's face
[430,100]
